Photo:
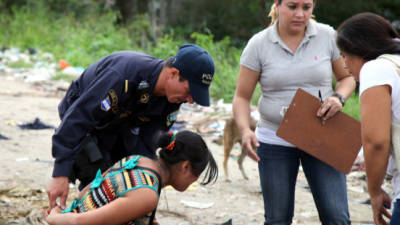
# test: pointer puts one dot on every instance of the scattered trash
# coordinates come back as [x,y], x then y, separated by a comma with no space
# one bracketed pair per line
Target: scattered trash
[364,202]
[229,222]
[359,164]
[11,122]
[20,205]
[43,161]
[31,65]
[208,110]
[218,140]
[210,125]
[73,71]
[367,202]
[38,74]
[22,192]
[303,185]
[68,69]
[63,64]
[178,125]
[32,51]
[218,126]
[21,159]
[236,152]
[198,205]
[2,137]
[356,189]
[35,125]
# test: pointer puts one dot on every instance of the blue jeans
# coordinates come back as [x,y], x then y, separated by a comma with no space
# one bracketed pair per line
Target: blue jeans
[396,213]
[278,168]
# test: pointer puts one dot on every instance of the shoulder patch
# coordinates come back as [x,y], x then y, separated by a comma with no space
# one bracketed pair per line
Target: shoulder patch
[171,118]
[110,102]
[105,104]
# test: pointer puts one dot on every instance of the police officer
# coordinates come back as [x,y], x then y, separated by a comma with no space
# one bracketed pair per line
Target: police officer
[117,105]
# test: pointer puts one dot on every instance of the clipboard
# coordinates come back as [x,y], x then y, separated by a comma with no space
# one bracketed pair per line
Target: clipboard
[336,142]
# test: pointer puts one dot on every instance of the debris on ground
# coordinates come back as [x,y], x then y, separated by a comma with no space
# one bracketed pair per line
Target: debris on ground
[37,124]
[220,203]
[2,137]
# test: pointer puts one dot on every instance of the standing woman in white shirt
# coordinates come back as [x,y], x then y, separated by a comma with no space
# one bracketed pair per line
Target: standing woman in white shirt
[362,39]
[294,52]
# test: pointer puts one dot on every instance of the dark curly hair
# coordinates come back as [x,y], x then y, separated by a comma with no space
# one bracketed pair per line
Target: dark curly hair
[368,36]
[189,146]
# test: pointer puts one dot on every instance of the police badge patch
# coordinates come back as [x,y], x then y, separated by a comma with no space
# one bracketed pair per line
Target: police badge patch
[105,104]
[171,118]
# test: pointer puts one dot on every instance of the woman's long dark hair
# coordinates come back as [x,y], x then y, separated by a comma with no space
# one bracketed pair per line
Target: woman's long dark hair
[368,36]
[188,146]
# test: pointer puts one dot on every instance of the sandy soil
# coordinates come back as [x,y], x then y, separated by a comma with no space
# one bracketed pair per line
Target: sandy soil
[26,166]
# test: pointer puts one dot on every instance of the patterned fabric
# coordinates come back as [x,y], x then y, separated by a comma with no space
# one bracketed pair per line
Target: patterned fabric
[124,176]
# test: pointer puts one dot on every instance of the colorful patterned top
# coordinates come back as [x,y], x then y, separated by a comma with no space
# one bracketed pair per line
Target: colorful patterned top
[124,176]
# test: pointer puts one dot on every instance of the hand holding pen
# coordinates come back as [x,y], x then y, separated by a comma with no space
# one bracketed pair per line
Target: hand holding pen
[328,108]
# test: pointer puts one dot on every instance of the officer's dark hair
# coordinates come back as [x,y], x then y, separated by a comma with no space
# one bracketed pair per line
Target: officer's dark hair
[189,146]
[368,36]
[169,64]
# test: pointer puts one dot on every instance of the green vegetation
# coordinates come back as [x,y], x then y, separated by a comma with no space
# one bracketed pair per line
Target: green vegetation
[82,41]
[20,64]
[63,76]
[352,107]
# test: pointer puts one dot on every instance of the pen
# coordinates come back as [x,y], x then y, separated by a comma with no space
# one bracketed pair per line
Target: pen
[320,98]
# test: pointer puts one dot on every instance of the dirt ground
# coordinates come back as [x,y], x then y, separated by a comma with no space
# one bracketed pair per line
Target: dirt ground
[26,166]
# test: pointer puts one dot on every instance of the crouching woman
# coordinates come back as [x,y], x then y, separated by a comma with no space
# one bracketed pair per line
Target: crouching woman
[128,192]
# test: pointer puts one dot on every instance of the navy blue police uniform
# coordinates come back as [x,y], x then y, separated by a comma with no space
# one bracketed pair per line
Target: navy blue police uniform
[110,109]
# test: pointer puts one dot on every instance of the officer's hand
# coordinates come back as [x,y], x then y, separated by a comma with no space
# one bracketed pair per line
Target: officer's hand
[58,187]
[249,142]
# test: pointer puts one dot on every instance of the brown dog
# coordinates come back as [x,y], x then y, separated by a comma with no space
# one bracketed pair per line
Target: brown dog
[230,137]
